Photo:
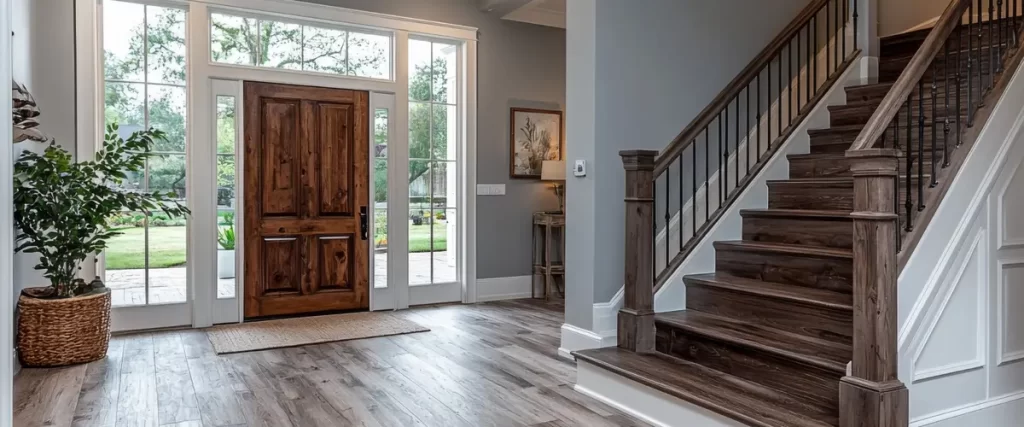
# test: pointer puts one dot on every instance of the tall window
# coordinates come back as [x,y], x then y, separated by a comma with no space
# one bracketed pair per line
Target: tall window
[380,197]
[433,144]
[144,76]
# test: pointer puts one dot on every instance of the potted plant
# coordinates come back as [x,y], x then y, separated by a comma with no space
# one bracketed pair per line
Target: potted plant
[226,253]
[63,211]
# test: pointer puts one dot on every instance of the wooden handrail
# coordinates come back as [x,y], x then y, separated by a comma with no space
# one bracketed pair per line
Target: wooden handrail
[744,78]
[908,80]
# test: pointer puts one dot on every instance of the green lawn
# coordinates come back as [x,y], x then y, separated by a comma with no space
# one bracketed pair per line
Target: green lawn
[167,246]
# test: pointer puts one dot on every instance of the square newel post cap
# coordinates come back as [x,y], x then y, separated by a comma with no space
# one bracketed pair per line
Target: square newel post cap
[638,159]
[874,161]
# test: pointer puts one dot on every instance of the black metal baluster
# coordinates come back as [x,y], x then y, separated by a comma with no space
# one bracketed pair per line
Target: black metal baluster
[814,20]
[910,160]
[991,47]
[839,33]
[693,195]
[725,156]
[959,82]
[736,145]
[1000,27]
[719,155]
[682,198]
[789,83]
[798,73]
[856,16]
[668,215]
[970,62]
[746,128]
[934,119]
[759,113]
[811,69]
[779,113]
[828,37]
[768,109]
[920,146]
[946,127]
[707,174]
[654,228]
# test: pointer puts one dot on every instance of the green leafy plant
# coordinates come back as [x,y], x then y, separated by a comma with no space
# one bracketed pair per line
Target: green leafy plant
[62,208]
[226,235]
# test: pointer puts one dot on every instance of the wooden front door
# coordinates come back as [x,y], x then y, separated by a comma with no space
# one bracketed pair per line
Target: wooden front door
[306,198]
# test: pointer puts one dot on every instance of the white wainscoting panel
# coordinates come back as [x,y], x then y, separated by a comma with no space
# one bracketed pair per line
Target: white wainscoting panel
[954,342]
[1010,319]
[961,294]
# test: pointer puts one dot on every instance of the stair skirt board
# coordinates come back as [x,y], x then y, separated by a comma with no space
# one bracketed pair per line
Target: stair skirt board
[672,296]
[649,405]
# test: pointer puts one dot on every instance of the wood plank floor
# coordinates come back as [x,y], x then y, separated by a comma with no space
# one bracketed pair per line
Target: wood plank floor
[493,364]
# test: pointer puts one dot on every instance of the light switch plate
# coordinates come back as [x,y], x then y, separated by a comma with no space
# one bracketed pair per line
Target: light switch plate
[580,168]
[490,189]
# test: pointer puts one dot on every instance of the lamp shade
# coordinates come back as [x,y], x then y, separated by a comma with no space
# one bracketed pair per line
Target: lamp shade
[553,170]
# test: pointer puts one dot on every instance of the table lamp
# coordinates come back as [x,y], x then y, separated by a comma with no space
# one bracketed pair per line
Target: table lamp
[554,171]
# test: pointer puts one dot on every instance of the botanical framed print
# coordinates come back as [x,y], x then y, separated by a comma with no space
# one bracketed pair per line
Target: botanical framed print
[536,136]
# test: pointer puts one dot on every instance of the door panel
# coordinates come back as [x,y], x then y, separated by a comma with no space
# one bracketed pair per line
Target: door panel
[306,179]
[280,126]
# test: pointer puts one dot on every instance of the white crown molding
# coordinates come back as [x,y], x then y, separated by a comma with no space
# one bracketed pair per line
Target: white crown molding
[534,12]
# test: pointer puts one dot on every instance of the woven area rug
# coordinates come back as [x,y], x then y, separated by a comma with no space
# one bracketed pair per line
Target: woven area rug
[293,332]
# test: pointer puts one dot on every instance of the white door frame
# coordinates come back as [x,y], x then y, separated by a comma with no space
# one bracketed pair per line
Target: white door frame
[7,360]
[202,303]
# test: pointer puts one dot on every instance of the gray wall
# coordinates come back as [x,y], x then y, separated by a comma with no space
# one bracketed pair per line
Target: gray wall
[43,46]
[518,65]
[895,17]
[654,68]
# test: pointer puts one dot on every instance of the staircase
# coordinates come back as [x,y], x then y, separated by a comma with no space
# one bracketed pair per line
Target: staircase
[766,338]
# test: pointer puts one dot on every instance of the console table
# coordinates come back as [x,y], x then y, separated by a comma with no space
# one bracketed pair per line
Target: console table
[548,253]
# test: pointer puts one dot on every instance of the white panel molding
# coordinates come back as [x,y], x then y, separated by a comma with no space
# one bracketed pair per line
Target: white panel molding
[1005,356]
[504,288]
[999,411]
[974,182]
[647,404]
[606,314]
[977,252]
[575,338]
[1005,241]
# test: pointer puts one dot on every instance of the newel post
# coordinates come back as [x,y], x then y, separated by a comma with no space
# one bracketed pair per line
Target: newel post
[636,318]
[872,395]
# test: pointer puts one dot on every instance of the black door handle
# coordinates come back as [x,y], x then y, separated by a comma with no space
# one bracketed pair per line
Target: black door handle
[364,225]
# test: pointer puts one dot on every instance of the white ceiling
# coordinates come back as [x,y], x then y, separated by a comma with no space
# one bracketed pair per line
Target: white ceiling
[549,13]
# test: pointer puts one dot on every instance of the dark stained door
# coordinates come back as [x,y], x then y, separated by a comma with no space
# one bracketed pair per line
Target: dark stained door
[306,185]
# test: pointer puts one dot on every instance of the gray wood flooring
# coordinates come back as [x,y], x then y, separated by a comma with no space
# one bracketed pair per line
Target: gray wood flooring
[492,364]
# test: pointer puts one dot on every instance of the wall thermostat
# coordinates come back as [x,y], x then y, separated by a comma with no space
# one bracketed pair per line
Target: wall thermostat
[580,168]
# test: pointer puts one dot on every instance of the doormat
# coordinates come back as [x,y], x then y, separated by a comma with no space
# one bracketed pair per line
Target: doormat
[298,331]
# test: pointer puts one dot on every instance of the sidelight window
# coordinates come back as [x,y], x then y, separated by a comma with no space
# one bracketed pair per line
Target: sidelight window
[433,149]
[144,87]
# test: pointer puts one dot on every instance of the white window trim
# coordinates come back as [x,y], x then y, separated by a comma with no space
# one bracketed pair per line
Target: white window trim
[7,359]
[89,102]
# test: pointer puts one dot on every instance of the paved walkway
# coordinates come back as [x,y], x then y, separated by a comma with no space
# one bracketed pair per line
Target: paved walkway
[167,285]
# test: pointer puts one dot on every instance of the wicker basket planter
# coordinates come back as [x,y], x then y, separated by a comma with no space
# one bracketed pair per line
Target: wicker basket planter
[67,331]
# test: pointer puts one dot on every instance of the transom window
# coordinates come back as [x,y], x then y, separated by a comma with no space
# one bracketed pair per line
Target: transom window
[259,42]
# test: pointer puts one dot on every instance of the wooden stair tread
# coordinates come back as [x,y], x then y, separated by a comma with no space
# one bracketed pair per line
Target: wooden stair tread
[784,248]
[795,213]
[826,355]
[836,129]
[717,391]
[789,293]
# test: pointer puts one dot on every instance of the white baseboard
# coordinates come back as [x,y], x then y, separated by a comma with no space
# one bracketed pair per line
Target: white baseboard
[575,338]
[504,288]
[1006,411]
[649,405]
